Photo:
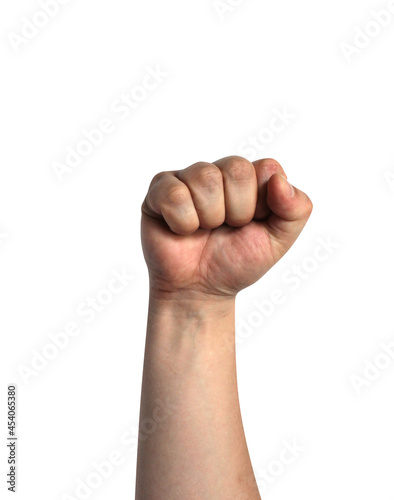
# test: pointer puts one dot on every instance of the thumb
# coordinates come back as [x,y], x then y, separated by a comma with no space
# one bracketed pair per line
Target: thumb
[290,209]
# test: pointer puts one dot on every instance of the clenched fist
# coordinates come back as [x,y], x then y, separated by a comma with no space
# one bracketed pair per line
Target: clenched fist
[215,228]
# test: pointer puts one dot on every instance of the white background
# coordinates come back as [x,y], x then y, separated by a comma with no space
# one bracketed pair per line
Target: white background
[61,241]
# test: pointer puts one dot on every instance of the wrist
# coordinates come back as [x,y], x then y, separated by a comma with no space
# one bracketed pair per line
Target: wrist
[207,324]
[190,303]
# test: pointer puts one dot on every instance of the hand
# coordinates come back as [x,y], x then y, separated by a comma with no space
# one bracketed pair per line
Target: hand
[214,229]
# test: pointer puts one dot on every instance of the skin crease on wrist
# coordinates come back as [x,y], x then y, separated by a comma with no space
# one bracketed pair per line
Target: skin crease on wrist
[208,232]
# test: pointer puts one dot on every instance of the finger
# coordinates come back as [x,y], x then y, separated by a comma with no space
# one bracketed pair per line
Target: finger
[290,208]
[265,169]
[240,189]
[170,198]
[205,183]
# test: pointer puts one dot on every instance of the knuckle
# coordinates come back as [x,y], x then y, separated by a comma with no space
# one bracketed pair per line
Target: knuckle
[308,205]
[270,162]
[239,169]
[268,166]
[209,175]
[177,195]
[158,178]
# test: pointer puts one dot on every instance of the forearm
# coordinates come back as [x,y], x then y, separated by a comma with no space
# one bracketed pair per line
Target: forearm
[197,449]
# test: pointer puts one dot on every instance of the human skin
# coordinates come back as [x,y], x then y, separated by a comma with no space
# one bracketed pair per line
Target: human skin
[208,232]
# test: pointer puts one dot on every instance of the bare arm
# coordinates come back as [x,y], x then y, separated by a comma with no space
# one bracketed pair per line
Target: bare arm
[193,444]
